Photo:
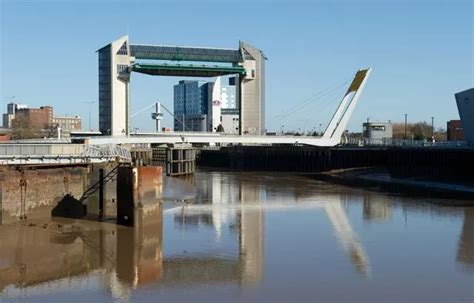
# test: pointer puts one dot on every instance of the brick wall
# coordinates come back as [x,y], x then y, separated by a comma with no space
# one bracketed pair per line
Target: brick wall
[44,188]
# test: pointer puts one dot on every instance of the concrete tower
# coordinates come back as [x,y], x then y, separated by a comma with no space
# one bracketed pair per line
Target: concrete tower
[114,77]
[252,89]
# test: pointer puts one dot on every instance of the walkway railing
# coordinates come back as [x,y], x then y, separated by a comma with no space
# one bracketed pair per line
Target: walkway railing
[26,154]
[386,142]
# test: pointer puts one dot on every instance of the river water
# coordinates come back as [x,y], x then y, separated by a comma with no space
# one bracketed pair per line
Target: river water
[249,237]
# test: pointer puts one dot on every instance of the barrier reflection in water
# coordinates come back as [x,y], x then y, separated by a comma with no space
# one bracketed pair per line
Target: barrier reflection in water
[42,255]
[239,202]
[465,254]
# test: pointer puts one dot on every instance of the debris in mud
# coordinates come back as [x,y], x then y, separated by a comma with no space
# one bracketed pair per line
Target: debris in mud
[69,207]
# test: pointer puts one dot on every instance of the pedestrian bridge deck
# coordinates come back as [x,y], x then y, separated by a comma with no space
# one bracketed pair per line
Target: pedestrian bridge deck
[61,153]
[211,139]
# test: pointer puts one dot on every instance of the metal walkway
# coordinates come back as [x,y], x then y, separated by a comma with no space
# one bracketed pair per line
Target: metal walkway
[41,154]
[211,139]
[189,70]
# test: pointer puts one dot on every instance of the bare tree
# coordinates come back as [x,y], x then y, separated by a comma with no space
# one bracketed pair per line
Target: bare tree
[417,131]
[21,129]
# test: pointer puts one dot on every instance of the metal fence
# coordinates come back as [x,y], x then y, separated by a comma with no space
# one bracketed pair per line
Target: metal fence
[40,149]
[386,142]
[23,153]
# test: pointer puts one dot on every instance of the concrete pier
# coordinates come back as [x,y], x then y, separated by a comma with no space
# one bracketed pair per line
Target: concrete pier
[33,192]
[178,160]
[138,189]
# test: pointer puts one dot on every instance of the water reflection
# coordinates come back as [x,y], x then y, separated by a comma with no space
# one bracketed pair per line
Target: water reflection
[347,237]
[465,254]
[251,211]
[377,211]
[36,254]
[241,202]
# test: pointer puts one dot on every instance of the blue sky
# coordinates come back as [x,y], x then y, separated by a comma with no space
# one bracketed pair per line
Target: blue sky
[421,52]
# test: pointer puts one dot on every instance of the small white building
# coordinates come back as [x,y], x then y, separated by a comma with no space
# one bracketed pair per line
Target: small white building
[378,130]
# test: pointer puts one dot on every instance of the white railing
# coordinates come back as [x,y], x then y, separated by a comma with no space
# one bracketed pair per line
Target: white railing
[40,149]
[387,142]
[62,153]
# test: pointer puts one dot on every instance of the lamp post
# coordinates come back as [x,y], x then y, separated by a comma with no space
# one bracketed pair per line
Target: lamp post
[432,128]
[406,122]
[90,104]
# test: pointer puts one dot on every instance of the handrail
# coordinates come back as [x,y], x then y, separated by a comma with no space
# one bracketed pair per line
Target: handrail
[107,152]
[389,142]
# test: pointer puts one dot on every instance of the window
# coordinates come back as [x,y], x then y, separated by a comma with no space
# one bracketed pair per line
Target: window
[123,49]
[378,128]
[122,68]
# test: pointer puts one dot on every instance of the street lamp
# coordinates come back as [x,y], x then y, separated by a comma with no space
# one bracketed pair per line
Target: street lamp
[406,122]
[90,104]
[432,128]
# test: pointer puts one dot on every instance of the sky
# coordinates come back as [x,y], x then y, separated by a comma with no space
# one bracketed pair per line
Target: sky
[421,53]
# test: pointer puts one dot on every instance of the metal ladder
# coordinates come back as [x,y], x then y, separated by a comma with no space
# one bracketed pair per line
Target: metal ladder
[96,186]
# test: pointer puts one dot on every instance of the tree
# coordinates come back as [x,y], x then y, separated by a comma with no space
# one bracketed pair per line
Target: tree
[21,129]
[417,131]
[421,131]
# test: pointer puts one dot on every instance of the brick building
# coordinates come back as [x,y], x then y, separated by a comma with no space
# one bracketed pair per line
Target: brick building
[455,131]
[40,118]
[67,124]
[38,122]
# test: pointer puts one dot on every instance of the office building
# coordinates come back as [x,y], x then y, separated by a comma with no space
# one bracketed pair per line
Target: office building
[39,118]
[191,101]
[230,112]
[10,114]
[454,131]
[228,97]
[67,124]
[206,107]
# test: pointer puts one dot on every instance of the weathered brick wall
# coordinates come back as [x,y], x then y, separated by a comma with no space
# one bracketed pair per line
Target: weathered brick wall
[44,188]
